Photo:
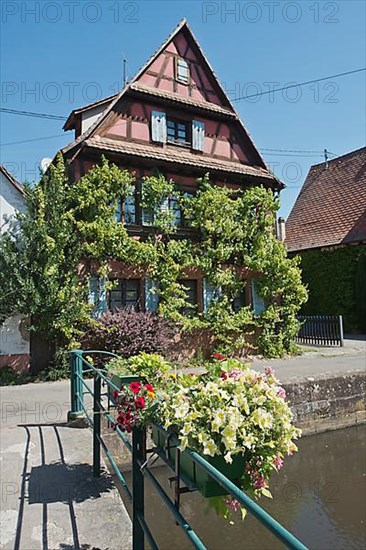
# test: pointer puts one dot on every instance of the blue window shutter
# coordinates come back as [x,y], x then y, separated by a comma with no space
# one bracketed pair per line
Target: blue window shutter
[182,71]
[93,290]
[257,301]
[198,135]
[158,126]
[210,292]
[151,296]
[97,294]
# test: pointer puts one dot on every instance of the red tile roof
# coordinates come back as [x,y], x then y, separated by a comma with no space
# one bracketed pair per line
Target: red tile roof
[205,105]
[331,207]
[179,156]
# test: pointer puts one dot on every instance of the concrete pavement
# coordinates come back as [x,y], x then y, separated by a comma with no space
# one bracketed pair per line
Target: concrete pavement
[49,498]
[319,362]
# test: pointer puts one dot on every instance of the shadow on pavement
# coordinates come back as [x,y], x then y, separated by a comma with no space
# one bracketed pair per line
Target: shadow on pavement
[56,482]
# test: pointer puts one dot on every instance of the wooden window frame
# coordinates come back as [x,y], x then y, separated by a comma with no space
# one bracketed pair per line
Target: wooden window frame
[188,132]
[138,305]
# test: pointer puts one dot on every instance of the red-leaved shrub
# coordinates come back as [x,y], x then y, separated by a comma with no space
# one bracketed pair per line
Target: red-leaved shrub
[127,332]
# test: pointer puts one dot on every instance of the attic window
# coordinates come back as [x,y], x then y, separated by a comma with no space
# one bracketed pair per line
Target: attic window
[182,71]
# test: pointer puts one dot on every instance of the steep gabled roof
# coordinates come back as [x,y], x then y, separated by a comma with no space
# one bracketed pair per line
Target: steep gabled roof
[331,207]
[12,180]
[70,119]
[228,107]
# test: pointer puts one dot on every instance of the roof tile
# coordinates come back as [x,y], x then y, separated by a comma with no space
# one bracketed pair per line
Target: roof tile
[179,156]
[331,207]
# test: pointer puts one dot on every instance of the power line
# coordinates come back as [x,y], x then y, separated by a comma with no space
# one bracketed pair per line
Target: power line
[32,114]
[299,84]
[59,117]
[30,140]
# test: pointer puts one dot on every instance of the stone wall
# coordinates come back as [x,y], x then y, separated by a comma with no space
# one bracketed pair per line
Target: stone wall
[328,403]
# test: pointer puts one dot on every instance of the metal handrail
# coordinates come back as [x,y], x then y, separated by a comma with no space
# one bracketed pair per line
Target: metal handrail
[140,466]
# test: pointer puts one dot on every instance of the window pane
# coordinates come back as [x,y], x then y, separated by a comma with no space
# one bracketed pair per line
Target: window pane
[190,287]
[147,217]
[177,132]
[239,301]
[115,301]
[175,211]
[130,210]
[126,293]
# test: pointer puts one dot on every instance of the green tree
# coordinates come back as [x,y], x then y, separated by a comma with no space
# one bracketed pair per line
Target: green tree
[66,226]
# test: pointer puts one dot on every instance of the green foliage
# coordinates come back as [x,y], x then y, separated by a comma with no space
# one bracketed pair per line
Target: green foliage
[9,377]
[70,227]
[336,280]
[67,225]
[147,365]
[237,229]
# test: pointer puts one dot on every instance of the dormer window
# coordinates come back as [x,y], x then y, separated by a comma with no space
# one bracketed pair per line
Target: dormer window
[182,71]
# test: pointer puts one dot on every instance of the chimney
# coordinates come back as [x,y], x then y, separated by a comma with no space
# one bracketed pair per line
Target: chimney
[281,235]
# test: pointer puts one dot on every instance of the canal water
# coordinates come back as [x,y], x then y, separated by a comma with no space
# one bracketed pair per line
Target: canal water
[320,496]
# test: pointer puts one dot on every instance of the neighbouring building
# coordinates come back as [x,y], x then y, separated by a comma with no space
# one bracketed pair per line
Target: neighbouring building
[327,227]
[173,116]
[14,338]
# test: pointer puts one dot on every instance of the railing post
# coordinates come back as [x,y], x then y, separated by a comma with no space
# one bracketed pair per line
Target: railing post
[341,330]
[77,395]
[138,455]
[96,425]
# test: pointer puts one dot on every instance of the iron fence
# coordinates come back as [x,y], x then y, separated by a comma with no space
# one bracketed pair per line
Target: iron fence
[142,466]
[321,330]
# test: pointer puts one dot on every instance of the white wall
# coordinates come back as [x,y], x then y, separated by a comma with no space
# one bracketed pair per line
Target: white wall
[10,200]
[14,340]
[89,117]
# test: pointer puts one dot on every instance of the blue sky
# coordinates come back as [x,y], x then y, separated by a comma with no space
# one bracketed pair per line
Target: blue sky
[59,55]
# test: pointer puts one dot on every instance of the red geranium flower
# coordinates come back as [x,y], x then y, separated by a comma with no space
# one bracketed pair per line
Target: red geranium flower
[219,356]
[223,375]
[135,387]
[149,387]
[115,395]
[140,402]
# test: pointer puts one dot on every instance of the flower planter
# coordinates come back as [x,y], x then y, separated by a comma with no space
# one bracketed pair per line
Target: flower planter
[196,474]
[119,380]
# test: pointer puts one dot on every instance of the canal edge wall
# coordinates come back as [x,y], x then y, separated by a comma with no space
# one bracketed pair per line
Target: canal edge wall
[328,402]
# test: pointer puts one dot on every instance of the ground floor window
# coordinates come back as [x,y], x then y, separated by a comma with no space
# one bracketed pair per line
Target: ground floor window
[190,288]
[239,300]
[126,293]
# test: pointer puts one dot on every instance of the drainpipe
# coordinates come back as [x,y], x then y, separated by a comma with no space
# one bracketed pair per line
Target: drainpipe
[281,232]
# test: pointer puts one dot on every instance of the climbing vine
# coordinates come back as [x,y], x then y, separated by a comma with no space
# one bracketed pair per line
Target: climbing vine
[337,284]
[71,226]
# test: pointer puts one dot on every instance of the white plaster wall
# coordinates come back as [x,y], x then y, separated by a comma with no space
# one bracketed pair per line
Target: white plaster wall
[89,117]
[10,200]
[14,340]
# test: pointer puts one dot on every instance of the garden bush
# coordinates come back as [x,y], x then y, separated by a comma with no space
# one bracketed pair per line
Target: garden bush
[127,332]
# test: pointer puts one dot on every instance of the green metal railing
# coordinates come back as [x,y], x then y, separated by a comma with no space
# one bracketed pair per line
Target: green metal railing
[141,466]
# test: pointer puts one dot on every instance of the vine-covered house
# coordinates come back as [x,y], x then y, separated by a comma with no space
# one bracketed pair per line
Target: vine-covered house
[327,227]
[173,117]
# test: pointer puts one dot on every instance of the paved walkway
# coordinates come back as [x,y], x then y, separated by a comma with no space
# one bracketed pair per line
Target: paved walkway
[49,499]
[318,362]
